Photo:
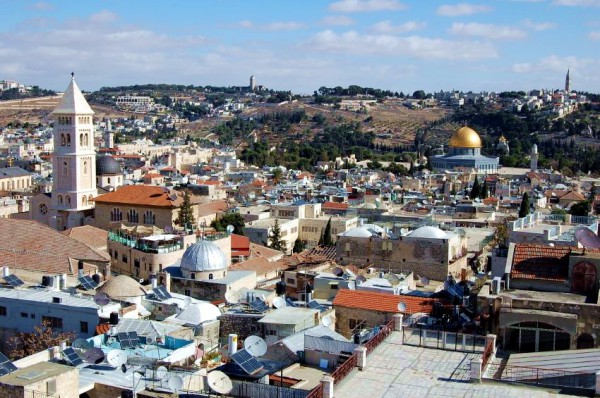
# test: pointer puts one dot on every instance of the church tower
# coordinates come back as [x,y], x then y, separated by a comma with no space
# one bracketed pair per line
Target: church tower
[533,161]
[567,83]
[74,159]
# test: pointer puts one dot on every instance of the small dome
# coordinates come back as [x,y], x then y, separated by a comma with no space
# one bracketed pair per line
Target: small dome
[428,232]
[197,313]
[203,256]
[465,137]
[358,232]
[121,287]
[107,165]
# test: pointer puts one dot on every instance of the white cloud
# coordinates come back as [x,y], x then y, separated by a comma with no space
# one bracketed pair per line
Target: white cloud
[538,26]
[554,63]
[456,10]
[366,5]
[488,31]
[271,27]
[41,6]
[415,46]
[388,27]
[104,16]
[577,3]
[594,35]
[337,20]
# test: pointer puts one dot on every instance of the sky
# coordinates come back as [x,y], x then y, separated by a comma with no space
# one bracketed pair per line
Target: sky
[301,45]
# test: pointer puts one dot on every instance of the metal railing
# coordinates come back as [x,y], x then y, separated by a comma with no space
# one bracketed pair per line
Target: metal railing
[316,392]
[344,369]
[487,354]
[448,341]
[379,337]
[540,376]
[39,394]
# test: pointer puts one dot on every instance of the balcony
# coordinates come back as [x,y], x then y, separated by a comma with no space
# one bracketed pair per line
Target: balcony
[157,244]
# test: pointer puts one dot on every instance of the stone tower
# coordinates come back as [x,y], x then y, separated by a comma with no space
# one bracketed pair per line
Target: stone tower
[534,158]
[567,83]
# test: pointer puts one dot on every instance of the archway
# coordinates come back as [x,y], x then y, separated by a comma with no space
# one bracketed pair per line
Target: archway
[585,340]
[584,277]
[535,337]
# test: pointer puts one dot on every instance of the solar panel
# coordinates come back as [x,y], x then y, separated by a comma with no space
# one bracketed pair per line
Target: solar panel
[72,356]
[290,303]
[259,305]
[124,339]
[161,293]
[13,280]
[87,282]
[246,361]
[316,306]
[6,366]
[133,338]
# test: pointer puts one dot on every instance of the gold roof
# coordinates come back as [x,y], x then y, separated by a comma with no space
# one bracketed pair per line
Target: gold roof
[502,139]
[465,137]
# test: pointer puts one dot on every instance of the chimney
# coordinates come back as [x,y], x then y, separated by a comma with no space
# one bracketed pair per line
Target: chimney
[5,271]
[167,281]
[80,269]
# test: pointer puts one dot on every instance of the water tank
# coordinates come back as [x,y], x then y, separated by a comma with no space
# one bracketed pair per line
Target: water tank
[96,278]
[280,288]
[45,280]
[114,318]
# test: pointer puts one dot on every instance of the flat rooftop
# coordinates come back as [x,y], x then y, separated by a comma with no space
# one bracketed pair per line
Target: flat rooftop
[396,370]
[552,297]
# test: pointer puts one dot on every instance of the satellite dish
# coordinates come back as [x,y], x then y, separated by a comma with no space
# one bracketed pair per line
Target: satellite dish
[425,281]
[173,197]
[337,271]
[279,302]
[116,358]
[326,321]
[361,279]
[176,383]
[587,238]
[230,229]
[219,382]
[401,307]
[150,340]
[101,299]
[94,356]
[232,297]
[82,344]
[161,372]
[255,345]
[168,229]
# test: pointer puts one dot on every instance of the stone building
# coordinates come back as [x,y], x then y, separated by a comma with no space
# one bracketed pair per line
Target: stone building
[465,153]
[47,378]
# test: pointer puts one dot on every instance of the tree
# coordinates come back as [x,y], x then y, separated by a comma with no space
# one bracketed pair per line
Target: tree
[501,235]
[234,218]
[277,174]
[326,237]
[275,238]
[185,217]
[44,337]
[485,191]
[298,246]
[524,209]
[475,190]
[580,208]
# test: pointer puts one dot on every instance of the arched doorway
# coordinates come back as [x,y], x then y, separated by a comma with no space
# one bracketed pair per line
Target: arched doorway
[585,340]
[535,336]
[584,277]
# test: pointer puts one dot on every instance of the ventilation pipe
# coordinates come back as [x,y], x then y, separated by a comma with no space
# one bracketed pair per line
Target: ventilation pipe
[232,342]
[5,271]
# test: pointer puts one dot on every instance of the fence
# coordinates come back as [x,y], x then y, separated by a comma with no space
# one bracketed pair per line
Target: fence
[487,354]
[39,394]
[248,389]
[439,339]
[345,368]
[541,377]
[379,337]
[316,392]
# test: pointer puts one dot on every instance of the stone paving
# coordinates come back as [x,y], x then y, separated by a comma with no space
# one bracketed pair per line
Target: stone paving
[396,370]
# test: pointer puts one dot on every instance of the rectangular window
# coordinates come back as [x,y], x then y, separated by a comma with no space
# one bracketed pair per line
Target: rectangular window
[124,258]
[116,255]
[351,323]
[83,327]
[24,315]
[188,292]
[291,280]
[54,322]
[136,263]
[2,311]
[32,316]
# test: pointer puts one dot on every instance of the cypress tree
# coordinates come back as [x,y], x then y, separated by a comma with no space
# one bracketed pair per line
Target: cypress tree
[524,209]
[476,189]
[275,237]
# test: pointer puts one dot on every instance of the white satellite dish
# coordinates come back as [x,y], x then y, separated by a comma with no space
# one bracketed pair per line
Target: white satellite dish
[101,299]
[401,307]
[232,297]
[175,383]
[230,228]
[326,321]
[219,382]
[255,345]
[116,358]
[150,340]
[161,373]
[279,302]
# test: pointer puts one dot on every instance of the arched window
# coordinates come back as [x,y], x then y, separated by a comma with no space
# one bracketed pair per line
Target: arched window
[210,276]
[585,341]
[68,199]
[68,139]
[60,199]
[81,139]
[132,216]
[149,217]
[116,215]
[63,140]
[90,198]
[193,276]
[83,201]
[86,139]
[65,168]
[85,165]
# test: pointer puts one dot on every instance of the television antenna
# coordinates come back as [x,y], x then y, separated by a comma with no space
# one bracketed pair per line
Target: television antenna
[279,302]
[255,345]
[101,299]
[219,382]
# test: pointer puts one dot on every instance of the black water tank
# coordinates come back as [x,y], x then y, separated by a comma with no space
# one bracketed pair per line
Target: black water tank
[280,288]
[45,280]
[114,318]
[309,288]
[96,278]
[80,264]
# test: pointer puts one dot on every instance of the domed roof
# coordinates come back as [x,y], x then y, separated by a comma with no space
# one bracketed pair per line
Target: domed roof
[197,313]
[358,232]
[121,287]
[203,256]
[107,165]
[465,137]
[428,232]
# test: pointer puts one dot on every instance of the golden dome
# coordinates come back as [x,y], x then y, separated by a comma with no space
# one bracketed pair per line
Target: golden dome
[502,139]
[465,137]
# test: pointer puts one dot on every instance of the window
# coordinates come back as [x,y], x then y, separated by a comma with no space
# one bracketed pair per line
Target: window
[85,167]
[68,139]
[60,199]
[116,255]
[116,215]
[83,327]
[149,217]
[187,292]
[63,140]
[24,315]
[334,286]
[291,280]
[124,258]
[56,323]
[352,324]
[193,275]
[210,276]
[32,316]
[68,199]
[2,311]
[65,168]
[51,387]
[132,216]
[136,263]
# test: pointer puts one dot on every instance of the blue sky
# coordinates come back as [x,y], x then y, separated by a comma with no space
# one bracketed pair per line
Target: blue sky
[300,45]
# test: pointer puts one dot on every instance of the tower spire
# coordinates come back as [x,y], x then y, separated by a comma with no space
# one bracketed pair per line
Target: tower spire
[568,82]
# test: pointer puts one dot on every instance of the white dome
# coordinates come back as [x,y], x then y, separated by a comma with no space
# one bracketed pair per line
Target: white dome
[428,233]
[358,232]
[203,256]
[197,313]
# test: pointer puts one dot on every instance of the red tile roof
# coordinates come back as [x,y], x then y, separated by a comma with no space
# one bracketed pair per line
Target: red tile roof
[540,262]
[215,207]
[381,302]
[335,206]
[142,195]
[240,245]
[153,175]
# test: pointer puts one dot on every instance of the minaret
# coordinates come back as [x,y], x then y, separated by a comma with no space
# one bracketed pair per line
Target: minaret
[252,83]
[533,164]
[74,158]
[567,83]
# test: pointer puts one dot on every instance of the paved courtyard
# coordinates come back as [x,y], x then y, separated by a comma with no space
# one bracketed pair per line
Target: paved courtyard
[396,370]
